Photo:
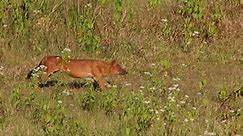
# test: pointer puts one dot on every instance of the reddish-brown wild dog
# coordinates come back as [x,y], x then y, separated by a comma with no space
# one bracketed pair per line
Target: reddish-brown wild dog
[79,68]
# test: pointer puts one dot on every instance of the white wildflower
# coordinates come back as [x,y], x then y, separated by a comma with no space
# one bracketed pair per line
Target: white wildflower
[195,33]
[5,25]
[206,133]
[66,92]
[141,87]
[146,102]
[172,99]
[128,84]
[152,88]
[36,11]
[232,111]
[147,73]
[35,75]
[184,65]
[199,93]
[171,88]
[164,20]
[114,86]
[186,120]
[152,64]
[176,79]
[161,110]
[59,101]
[151,110]
[66,50]
[182,102]
[89,5]
[176,85]
[223,121]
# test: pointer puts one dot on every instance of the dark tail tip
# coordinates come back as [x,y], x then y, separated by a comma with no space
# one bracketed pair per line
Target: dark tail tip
[29,75]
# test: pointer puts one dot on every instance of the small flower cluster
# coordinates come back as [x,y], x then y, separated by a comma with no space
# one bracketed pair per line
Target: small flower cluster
[66,92]
[66,53]
[89,5]
[174,87]
[206,133]
[164,20]
[66,50]
[195,33]
[148,73]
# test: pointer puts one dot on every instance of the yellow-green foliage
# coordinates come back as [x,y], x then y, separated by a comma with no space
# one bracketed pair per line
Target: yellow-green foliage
[183,57]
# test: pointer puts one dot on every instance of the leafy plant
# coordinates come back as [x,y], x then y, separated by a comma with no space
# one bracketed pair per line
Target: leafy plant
[109,102]
[202,84]
[193,8]
[88,100]
[137,115]
[16,97]
[66,54]
[223,93]
[53,119]
[3,111]
[118,10]
[154,3]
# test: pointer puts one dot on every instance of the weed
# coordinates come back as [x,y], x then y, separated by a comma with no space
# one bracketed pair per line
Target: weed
[88,40]
[53,119]
[3,112]
[118,10]
[138,113]
[16,97]
[109,102]
[74,127]
[66,54]
[202,84]
[154,3]
[222,94]
[88,100]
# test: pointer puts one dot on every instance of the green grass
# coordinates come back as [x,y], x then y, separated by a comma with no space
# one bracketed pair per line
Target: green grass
[184,60]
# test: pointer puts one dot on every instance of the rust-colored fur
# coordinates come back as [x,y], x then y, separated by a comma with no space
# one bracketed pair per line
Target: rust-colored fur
[79,68]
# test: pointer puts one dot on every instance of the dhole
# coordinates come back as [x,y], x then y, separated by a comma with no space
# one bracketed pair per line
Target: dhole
[79,68]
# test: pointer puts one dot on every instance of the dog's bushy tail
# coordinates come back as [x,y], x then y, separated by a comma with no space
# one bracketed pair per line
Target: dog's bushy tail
[34,71]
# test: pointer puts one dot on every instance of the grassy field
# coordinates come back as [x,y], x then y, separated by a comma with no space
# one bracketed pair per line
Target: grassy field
[184,60]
